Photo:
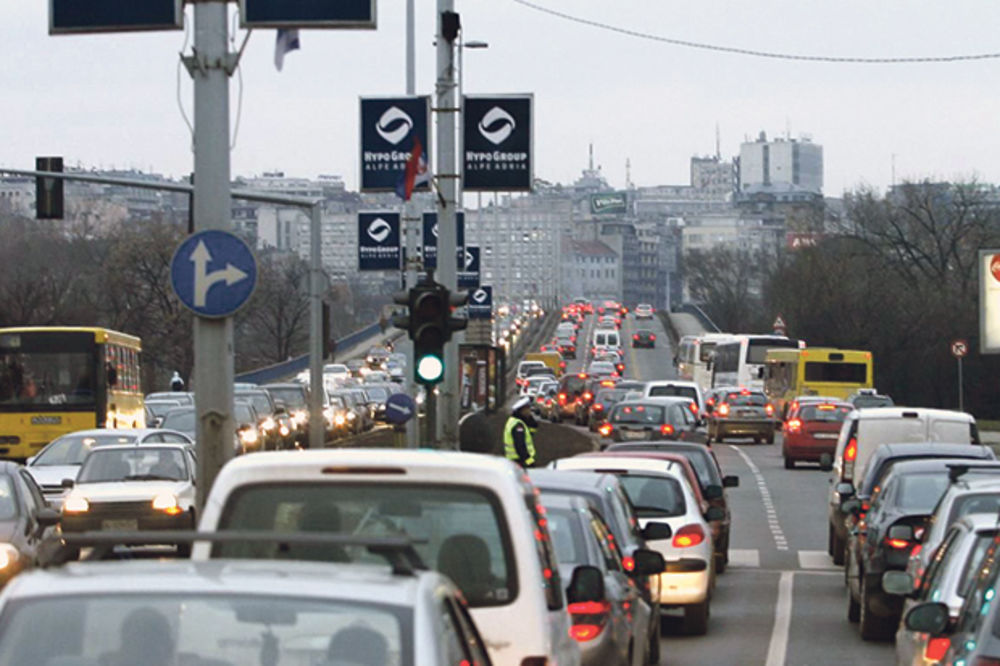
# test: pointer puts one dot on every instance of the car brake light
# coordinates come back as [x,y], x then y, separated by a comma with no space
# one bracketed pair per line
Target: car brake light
[562,398]
[635,337]
[628,563]
[693,407]
[793,425]
[666,429]
[723,410]
[598,407]
[898,544]
[688,536]
[826,408]
[936,648]
[652,336]
[744,391]
[605,429]
[582,375]
[851,451]
[710,401]
[769,409]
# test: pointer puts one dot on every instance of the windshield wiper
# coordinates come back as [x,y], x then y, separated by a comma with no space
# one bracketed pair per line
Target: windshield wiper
[149,477]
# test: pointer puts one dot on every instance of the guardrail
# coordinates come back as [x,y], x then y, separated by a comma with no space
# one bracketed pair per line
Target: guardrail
[295,365]
[706,321]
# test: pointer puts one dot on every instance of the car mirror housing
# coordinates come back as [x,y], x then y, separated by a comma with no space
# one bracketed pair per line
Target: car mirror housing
[899,583]
[655,531]
[587,584]
[47,517]
[68,484]
[713,492]
[648,562]
[929,618]
[731,481]
[845,489]
[715,513]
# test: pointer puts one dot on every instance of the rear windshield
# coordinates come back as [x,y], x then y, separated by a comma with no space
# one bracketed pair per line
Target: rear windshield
[757,348]
[903,430]
[292,397]
[824,413]
[654,496]
[637,414]
[573,384]
[673,390]
[847,373]
[872,401]
[567,536]
[921,492]
[747,399]
[610,396]
[458,530]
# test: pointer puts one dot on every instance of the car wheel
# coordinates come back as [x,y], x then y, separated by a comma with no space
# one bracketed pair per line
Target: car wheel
[838,549]
[720,562]
[756,440]
[873,627]
[770,438]
[829,539]
[789,463]
[696,619]
[853,608]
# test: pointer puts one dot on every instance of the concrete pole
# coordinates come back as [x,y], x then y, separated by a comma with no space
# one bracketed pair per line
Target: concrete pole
[411,229]
[317,430]
[213,338]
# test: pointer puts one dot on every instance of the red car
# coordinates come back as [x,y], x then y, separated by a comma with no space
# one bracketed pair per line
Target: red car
[811,430]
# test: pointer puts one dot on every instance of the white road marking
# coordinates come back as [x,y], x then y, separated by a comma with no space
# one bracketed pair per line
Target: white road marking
[780,542]
[744,558]
[778,647]
[816,559]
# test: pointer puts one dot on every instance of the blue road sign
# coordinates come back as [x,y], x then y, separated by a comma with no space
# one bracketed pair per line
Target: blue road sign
[389,126]
[213,273]
[430,237]
[481,303]
[308,13]
[69,16]
[400,408]
[468,270]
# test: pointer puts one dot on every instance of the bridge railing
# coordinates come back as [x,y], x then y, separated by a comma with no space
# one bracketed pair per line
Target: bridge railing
[706,321]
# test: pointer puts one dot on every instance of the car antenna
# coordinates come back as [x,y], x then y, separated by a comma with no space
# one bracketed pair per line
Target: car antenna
[956,472]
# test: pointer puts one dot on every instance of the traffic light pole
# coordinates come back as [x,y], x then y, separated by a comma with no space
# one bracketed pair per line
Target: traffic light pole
[317,424]
[411,228]
[446,110]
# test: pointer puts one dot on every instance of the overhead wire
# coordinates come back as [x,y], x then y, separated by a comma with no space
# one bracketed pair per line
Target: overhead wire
[754,52]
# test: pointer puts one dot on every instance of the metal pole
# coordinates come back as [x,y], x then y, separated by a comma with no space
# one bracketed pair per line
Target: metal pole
[317,391]
[411,231]
[213,338]
[447,177]
[961,391]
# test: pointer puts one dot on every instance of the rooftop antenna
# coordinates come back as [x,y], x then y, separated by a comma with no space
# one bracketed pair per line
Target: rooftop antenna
[628,173]
[591,155]
[718,150]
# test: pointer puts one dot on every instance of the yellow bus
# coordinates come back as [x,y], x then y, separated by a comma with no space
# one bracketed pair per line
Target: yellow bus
[821,371]
[55,380]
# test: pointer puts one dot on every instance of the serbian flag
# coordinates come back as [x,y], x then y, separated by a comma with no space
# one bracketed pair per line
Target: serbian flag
[416,172]
[287,40]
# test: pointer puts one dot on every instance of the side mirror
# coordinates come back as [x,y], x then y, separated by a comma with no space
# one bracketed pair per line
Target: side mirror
[709,408]
[47,517]
[648,562]
[656,531]
[852,506]
[68,484]
[715,513]
[30,460]
[730,481]
[903,532]
[899,583]
[826,462]
[587,584]
[845,489]
[712,492]
[928,618]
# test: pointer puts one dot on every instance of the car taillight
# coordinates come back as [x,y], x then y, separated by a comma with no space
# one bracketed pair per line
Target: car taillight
[769,409]
[562,365]
[936,648]
[589,619]
[850,455]
[693,407]
[562,398]
[898,544]
[598,407]
[793,425]
[635,337]
[605,429]
[688,536]
[723,410]
[587,395]
[710,401]
[652,337]
[666,429]
[628,563]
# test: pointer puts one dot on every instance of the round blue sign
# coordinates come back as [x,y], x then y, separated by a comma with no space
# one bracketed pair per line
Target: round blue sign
[400,408]
[213,273]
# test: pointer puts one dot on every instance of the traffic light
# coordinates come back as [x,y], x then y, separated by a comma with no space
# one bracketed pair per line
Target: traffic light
[429,313]
[49,191]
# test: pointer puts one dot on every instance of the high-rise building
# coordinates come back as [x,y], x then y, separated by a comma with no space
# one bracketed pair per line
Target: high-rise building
[780,164]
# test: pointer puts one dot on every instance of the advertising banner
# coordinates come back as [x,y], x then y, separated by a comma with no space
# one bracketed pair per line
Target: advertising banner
[468,270]
[482,376]
[497,143]
[378,241]
[431,235]
[307,14]
[989,301]
[481,303]
[389,126]
[608,203]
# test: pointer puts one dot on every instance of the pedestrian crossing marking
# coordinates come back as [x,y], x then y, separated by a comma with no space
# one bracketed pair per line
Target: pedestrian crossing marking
[816,559]
[744,558]
[808,560]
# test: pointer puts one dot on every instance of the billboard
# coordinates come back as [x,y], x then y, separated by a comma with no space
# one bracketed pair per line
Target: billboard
[468,270]
[430,237]
[989,301]
[74,16]
[378,241]
[608,203]
[497,143]
[388,128]
[307,14]
[481,303]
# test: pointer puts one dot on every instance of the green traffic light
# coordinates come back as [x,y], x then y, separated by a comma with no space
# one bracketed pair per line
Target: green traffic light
[430,369]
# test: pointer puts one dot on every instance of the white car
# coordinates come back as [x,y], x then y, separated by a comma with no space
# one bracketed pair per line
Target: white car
[475,518]
[659,492]
[643,311]
[236,612]
[669,388]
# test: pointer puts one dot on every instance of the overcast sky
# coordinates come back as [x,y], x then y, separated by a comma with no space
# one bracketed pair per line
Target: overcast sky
[111,100]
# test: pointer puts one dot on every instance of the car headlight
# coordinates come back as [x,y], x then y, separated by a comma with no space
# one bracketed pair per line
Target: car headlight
[8,555]
[339,419]
[300,416]
[76,504]
[351,416]
[248,436]
[268,424]
[284,430]
[167,503]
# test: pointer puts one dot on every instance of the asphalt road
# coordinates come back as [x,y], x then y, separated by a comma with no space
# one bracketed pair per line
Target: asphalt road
[782,601]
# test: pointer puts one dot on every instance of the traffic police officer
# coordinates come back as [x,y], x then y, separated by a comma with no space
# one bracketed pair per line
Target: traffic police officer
[518,440]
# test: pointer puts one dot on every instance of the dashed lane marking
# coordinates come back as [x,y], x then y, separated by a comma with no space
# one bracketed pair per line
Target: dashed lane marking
[778,647]
[780,542]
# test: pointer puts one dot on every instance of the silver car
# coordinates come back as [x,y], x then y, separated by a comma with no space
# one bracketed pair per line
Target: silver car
[612,631]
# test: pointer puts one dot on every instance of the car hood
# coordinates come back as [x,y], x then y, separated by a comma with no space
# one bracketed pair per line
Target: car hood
[53,475]
[128,491]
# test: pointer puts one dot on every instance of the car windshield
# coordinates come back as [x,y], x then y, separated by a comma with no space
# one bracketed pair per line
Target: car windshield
[673,390]
[988,502]
[72,449]
[610,396]
[148,463]
[8,500]
[654,496]
[824,413]
[601,368]
[259,400]
[567,536]
[179,419]
[294,398]
[243,413]
[920,492]
[637,414]
[457,530]
[377,394]
[163,629]
[337,401]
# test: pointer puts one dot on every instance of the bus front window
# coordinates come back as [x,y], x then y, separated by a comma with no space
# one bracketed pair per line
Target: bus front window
[43,378]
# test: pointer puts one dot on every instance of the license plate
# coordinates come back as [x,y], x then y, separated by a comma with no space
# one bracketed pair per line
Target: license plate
[124,525]
[749,412]
[633,434]
[826,435]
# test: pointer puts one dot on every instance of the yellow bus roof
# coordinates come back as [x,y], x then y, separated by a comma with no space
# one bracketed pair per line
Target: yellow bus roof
[101,335]
[778,355]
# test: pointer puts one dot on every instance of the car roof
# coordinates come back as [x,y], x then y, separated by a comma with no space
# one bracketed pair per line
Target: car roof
[666,399]
[671,382]
[139,432]
[273,578]
[179,446]
[960,450]
[937,465]
[627,463]
[581,480]
[901,412]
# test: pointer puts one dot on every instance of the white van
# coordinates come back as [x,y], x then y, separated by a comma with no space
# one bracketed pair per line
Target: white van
[607,337]
[475,518]
[866,429]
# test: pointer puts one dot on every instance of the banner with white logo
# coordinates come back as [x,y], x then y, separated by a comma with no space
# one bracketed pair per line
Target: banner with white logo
[989,301]
[608,203]
[468,268]
[481,303]
[431,236]
[388,128]
[378,241]
[498,143]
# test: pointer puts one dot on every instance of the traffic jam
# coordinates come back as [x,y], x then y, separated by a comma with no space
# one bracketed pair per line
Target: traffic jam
[624,554]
